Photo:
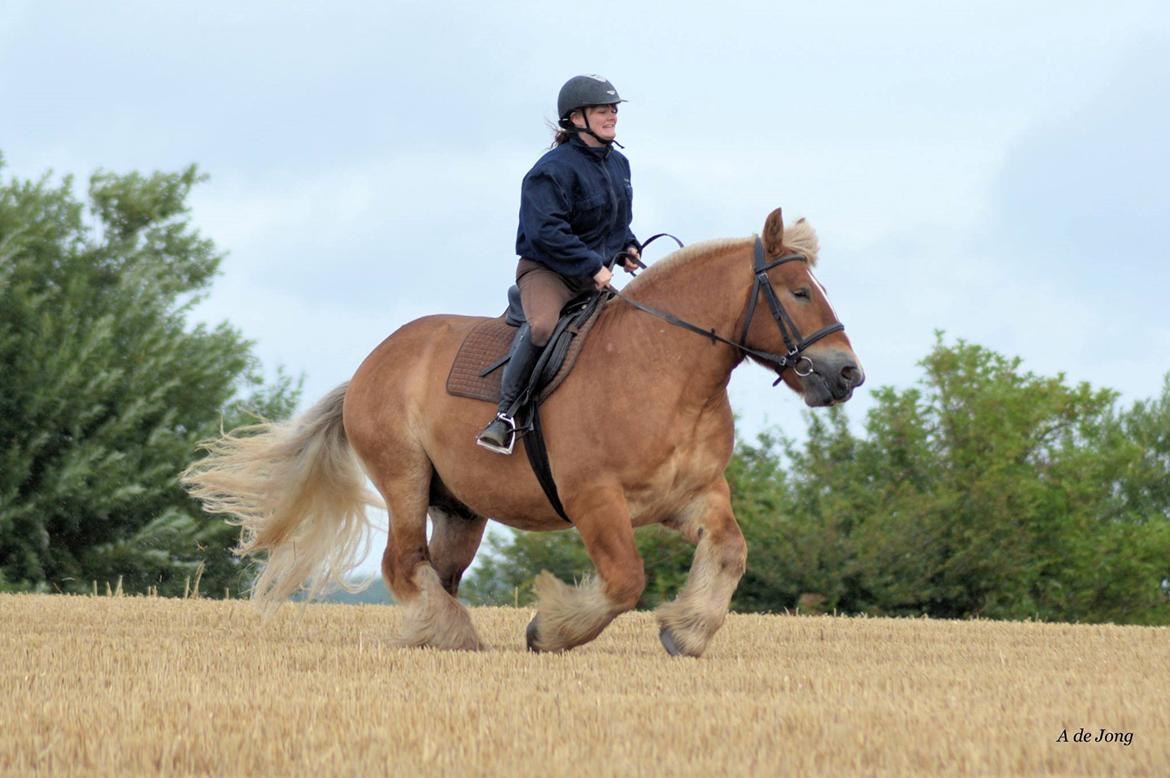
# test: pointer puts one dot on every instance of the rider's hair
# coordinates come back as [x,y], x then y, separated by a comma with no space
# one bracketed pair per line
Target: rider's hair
[560,135]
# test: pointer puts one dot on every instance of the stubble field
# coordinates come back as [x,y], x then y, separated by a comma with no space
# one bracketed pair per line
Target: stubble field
[132,686]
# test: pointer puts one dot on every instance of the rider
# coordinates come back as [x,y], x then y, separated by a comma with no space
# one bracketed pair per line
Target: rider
[575,213]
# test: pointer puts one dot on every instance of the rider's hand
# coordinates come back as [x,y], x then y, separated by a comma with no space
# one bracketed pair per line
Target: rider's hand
[631,263]
[602,277]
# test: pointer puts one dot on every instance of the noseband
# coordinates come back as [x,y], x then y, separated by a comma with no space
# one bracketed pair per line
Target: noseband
[794,344]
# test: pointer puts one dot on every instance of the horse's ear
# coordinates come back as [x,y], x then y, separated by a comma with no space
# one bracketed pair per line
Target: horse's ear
[774,233]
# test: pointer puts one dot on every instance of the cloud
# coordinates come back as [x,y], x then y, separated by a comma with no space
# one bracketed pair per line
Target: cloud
[1089,192]
[1076,232]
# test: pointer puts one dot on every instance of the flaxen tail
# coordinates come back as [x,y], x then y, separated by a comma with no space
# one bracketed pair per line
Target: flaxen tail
[297,491]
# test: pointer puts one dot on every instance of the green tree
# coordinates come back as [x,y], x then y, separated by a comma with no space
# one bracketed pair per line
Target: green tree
[1145,429]
[105,387]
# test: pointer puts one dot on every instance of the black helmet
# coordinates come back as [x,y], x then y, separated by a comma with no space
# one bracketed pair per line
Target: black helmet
[580,91]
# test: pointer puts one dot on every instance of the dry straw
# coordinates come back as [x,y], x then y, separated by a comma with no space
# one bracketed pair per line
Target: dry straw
[146,685]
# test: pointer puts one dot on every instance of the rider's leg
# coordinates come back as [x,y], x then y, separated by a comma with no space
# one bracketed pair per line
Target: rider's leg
[543,293]
[500,434]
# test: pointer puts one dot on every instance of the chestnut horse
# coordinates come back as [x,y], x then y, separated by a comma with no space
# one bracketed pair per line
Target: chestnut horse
[639,433]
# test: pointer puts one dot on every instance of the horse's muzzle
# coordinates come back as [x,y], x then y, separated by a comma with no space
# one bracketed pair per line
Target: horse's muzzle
[834,377]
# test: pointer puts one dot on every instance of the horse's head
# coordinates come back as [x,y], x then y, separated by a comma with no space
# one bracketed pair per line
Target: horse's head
[790,314]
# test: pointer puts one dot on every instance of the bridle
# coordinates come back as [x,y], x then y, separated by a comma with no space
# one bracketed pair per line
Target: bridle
[794,343]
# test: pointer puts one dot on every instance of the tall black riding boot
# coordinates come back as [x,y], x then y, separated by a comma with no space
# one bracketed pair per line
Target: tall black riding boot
[500,435]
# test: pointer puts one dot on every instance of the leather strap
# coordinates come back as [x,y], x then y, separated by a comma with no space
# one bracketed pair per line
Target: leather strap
[780,360]
[538,459]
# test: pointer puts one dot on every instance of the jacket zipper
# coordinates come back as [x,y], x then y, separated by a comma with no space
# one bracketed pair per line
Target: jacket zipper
[613,217]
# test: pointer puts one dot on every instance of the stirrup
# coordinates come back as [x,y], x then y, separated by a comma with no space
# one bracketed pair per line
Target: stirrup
[506,450]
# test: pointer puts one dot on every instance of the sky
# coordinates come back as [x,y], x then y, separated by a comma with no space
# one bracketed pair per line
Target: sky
[996,170]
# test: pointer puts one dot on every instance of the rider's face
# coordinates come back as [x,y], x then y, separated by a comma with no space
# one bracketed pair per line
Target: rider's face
[602,120]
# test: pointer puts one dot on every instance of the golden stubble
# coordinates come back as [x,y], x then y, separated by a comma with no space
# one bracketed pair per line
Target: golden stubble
[132,686]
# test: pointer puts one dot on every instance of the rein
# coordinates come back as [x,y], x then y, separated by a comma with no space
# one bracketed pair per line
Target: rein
[793,341]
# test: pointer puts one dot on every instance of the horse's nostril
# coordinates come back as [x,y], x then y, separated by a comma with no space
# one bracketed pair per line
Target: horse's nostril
[851,375]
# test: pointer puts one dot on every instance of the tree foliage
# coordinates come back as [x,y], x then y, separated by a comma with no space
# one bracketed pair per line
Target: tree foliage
[105,387]
[986,491]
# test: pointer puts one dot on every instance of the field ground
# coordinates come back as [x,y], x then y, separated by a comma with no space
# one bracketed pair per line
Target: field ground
[131,686]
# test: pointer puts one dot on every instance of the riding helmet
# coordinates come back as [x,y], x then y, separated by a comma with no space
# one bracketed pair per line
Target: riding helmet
[580,91]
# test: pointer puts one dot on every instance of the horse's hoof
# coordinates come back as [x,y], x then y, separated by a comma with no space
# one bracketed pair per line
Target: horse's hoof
[668,642]
[530,636]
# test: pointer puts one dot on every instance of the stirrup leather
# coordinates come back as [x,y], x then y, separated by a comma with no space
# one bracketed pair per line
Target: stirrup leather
[507,449]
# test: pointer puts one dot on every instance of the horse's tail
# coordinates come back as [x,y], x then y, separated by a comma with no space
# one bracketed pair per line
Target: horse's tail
[297,491]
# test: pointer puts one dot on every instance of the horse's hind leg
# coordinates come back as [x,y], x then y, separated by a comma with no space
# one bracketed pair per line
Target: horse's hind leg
[455,537]
[689,622]
[432,617]
[567,616]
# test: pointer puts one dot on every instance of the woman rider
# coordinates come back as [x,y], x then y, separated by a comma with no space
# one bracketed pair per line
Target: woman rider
[575,213]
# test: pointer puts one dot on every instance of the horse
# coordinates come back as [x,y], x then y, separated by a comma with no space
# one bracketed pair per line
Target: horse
[640,432]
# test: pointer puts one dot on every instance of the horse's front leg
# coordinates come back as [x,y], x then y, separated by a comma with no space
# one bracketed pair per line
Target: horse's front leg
[567,616]
[688,623]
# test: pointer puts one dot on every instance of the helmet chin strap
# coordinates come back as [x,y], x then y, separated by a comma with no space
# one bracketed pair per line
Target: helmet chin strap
[589,131]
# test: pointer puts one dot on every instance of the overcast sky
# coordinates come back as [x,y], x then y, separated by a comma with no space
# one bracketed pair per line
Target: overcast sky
[997,170]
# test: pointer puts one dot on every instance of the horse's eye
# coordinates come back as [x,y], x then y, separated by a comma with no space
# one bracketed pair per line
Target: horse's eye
[801,294]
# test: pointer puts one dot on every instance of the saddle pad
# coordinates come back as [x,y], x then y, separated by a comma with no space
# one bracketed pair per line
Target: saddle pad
[486,344]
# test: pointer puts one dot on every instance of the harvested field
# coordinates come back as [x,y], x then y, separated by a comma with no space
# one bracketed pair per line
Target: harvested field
[131,686]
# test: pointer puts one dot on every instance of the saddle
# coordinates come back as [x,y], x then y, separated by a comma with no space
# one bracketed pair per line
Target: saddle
[476,372]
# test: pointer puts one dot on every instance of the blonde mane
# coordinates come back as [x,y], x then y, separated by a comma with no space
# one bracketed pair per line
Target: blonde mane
[681,257]
[800,238]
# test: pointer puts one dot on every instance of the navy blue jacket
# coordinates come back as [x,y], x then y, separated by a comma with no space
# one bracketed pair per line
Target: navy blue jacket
[576,205]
